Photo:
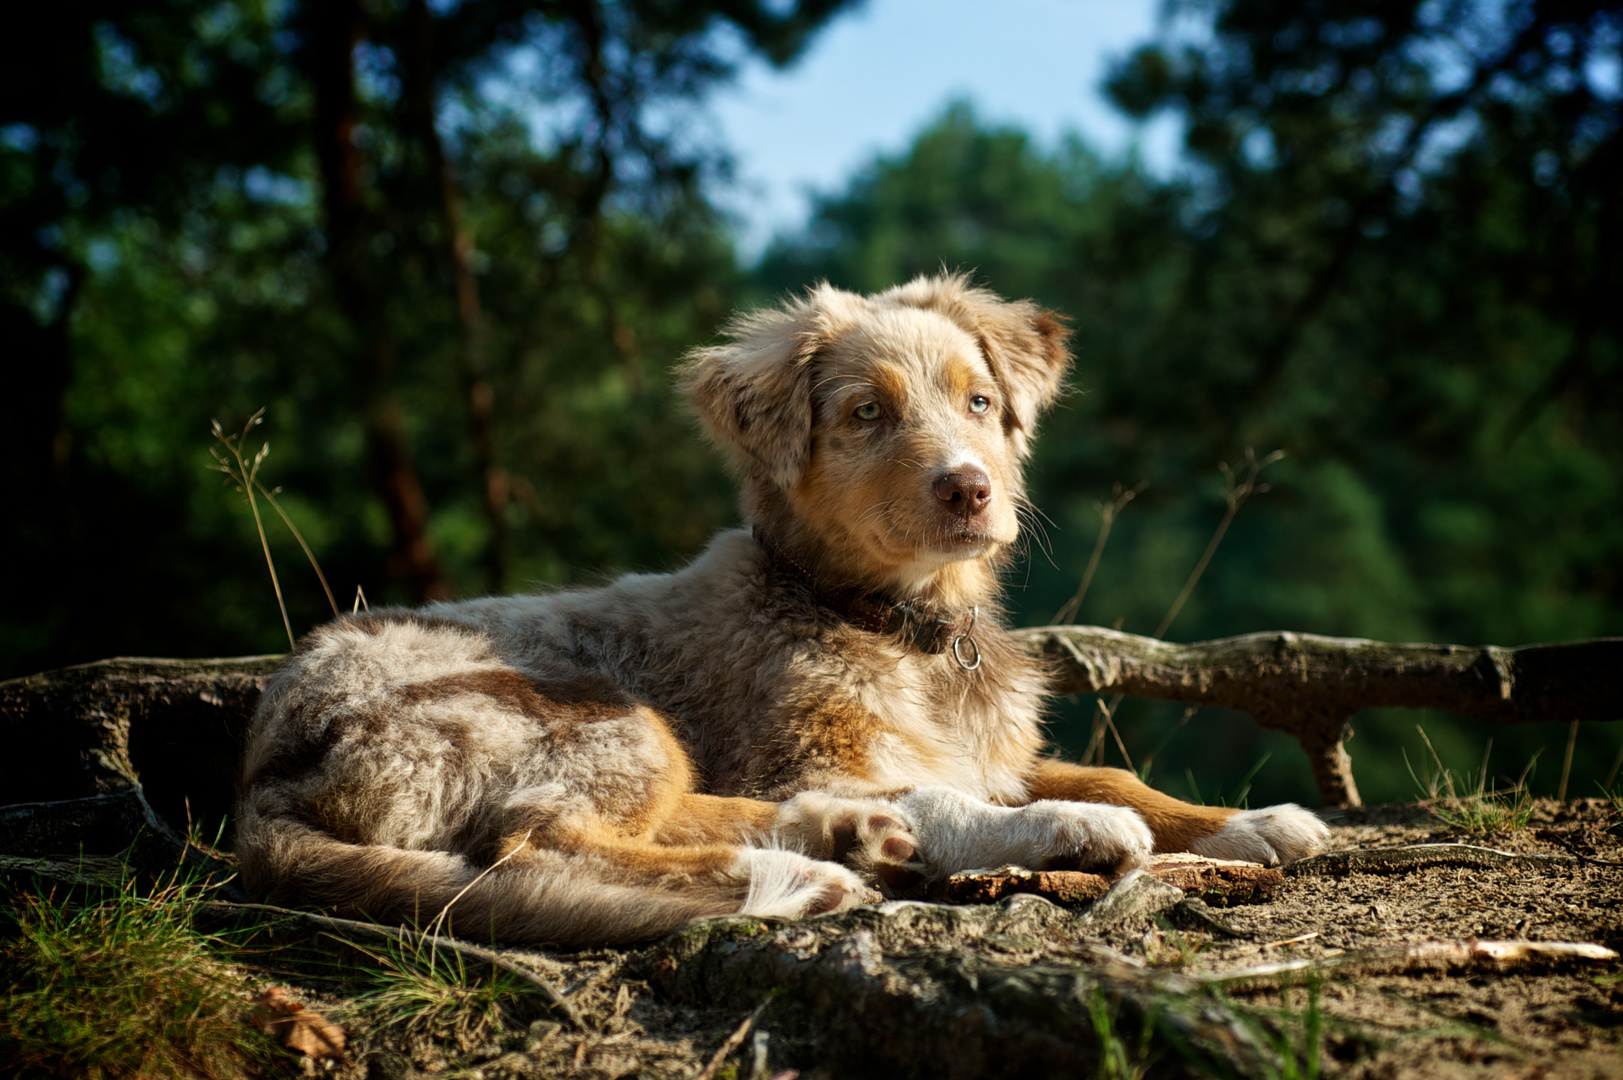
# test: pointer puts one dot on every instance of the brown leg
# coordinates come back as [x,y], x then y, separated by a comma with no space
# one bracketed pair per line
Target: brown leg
[693,858]
[684,831]
[715,819]
[1175,824]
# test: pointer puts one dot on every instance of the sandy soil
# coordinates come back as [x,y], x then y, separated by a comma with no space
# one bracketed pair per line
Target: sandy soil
[1379,1014]
[1562,1019]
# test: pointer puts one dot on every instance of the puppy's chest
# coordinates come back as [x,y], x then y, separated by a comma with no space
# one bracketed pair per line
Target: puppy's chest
[954,729]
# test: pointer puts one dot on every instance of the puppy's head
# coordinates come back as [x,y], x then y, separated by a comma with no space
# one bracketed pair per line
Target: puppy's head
[883,436]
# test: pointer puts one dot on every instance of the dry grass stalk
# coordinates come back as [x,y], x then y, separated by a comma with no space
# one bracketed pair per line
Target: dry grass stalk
[244,472]
[1108,513]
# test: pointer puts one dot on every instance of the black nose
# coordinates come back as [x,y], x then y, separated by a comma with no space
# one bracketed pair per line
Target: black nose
[965,491]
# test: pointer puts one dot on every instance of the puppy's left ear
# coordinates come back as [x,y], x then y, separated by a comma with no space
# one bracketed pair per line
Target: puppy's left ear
[1025,347]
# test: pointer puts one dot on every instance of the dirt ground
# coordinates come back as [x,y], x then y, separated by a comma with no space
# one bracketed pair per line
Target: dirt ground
[1379,1013]
[1543,1020]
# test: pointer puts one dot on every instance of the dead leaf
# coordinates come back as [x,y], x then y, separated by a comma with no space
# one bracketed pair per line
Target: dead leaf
[304,1031]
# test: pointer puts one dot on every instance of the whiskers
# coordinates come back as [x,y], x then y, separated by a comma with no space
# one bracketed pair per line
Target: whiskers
[879,513]
[1033,529]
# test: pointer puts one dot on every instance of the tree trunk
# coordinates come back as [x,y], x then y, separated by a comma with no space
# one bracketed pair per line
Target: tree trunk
[421,77]
[336,29]
[174,726]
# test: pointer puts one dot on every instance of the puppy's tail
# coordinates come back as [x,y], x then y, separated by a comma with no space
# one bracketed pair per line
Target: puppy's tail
[534,896]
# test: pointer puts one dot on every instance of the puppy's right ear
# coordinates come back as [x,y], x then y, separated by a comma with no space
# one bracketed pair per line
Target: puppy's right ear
[753,393]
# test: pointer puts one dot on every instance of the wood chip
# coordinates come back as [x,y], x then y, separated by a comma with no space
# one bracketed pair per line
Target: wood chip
[1430,956]
[1506,952]
[1217,881]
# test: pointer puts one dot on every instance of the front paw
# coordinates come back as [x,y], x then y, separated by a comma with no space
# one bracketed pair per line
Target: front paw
[868,835]
[959,833]
[1090,836]
[1271,835]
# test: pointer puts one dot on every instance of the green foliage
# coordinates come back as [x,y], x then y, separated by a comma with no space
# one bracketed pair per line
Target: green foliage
[1118,1060]
[1242,788]
[1169,947]
[124,987]
[1210,1033]
[1295,1034]
[1474,808]
[452,264]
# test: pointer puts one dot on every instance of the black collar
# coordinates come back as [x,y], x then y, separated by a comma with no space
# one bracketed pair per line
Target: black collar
[921,626]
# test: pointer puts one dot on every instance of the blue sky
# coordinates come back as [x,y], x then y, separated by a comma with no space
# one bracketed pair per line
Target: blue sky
[876,76]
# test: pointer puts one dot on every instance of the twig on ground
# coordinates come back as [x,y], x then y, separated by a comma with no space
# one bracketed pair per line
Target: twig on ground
[734,1041]
[1426,954]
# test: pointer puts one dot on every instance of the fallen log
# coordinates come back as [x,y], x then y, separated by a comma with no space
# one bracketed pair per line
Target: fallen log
[102,841]
[1310,686]
[173,727]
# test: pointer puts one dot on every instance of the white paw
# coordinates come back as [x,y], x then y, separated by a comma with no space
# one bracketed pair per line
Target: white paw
[957,832]
[828,826]
[1270,836]
[868,835]
[787,885]
[1090,834]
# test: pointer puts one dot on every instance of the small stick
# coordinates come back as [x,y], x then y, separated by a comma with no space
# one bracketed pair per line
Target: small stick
[1297,940]
[1108,513]
[1566,763]
[734,1041]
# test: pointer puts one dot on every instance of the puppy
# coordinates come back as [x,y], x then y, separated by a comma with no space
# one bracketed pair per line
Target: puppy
[822,699]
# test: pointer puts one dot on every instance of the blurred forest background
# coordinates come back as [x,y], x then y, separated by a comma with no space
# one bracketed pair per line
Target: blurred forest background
[453,249]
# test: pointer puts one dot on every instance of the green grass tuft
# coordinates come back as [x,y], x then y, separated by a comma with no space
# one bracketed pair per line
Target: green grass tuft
[1480,809]
[1242,789]
[425,990]
[1298,1032]
[1118,1060]
[122,988]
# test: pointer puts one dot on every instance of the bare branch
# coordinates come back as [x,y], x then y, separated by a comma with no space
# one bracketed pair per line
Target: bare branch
[1308,686]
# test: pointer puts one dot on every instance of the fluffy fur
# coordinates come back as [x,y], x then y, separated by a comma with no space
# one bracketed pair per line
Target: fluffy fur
[602,765]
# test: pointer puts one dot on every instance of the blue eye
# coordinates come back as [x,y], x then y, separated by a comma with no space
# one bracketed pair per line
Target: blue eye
[868,410]
[979,404]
